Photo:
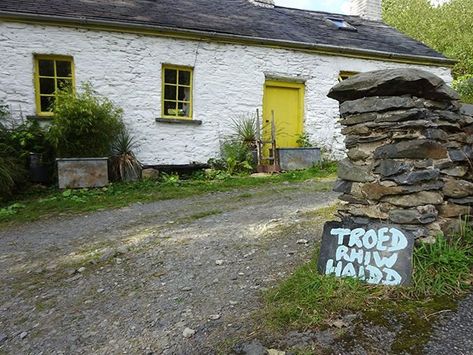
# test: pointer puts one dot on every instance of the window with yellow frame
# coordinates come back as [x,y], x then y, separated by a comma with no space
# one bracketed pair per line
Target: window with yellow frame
[177,92]
[51,74]
[344,75]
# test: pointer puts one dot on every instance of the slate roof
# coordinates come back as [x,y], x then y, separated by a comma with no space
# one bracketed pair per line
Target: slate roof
[229,17]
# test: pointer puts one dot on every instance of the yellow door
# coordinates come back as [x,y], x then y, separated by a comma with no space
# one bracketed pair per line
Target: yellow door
[286,100]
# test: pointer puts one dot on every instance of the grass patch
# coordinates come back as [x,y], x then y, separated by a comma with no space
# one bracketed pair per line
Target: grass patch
[442,273]
[37,204]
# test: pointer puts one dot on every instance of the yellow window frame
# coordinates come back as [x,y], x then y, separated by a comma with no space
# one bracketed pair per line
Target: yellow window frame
[344,75]
[178,68]
[37,77]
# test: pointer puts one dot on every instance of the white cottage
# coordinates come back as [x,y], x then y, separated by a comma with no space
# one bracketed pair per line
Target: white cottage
[182,69]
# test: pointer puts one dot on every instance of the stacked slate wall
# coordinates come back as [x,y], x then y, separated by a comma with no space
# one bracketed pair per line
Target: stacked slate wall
[409,147]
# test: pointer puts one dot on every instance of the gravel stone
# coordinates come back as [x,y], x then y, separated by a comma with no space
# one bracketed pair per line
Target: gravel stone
[142,305]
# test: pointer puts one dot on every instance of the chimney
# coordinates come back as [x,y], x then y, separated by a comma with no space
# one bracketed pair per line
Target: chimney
[262,3]
[368,9]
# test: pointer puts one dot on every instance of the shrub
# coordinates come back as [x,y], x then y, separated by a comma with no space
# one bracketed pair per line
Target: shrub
[464,86]
[85,124]
[12,166]
[124,164]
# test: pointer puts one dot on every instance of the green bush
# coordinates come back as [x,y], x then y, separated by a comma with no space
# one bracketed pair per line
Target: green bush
[12,166]
[464,86]
[85,124]
[235,157]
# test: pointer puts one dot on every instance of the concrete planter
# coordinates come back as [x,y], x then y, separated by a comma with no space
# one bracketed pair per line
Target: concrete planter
[298,158]
[76,173]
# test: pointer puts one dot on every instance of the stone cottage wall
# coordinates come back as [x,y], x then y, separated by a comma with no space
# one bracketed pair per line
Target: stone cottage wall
[409,145]
[228,82]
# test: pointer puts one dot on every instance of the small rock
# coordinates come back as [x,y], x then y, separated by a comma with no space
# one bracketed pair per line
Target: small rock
[214,316]
[186,289]
[275,352]
[219,262]
[302,241]
[81,269]
[233,303]
[70,272]
[107,254]
[23,335]
[100,290]
[188,333]
[241,274]
[338,324]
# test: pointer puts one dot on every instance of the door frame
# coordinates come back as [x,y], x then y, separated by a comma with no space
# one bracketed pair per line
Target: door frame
[300,86]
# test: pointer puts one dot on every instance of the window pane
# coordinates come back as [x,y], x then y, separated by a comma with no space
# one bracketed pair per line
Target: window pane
[46,86]
[170,108]
[47,103]
[170,76]
[64,84]
[184,94]
[170,92]
[46,68]
[184,77]
[63,68]
[183,109]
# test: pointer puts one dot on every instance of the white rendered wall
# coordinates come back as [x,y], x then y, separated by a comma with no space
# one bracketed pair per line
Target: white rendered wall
[228,81]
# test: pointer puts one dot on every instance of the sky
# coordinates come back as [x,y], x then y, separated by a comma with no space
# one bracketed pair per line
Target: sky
[336,6]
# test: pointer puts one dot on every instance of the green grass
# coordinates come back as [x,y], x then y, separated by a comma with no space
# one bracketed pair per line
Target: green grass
[37,204]
[442,273]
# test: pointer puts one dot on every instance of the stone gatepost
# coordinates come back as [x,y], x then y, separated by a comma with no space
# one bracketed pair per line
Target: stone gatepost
[409,148]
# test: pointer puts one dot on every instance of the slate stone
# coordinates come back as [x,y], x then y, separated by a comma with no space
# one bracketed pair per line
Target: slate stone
[389,167]
[415,149]
[372,211]
[424,215]
[416,199]
[353,141]
[462,201]
[357,119]
[358,129]
[415,177]
[351,172]
[3,338]
[376,191]
[417,230]
[394,82]
[376,104]
[457,188]
[353,200]
[451,210]
[435,134]
[401,116]
[343,186]
[357,154]
[430,186]
[457,171]
[466,109]
[449,116]
[461,155]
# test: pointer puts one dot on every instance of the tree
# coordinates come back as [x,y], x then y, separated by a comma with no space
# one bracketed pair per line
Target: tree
[446,28]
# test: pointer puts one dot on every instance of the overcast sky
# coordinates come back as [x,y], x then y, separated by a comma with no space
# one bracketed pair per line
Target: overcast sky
[336,6]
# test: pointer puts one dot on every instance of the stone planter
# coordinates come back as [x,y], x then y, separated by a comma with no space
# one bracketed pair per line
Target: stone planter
[76,173]
[298,158]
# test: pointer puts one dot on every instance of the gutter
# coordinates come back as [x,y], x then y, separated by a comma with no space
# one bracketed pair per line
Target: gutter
[224,37]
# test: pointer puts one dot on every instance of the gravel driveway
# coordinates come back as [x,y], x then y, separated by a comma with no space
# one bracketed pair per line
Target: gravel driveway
[172,277]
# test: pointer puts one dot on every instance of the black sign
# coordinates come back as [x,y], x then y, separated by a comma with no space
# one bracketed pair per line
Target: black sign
[378,254]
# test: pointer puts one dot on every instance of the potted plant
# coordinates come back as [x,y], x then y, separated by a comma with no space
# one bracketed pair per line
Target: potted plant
[84,128]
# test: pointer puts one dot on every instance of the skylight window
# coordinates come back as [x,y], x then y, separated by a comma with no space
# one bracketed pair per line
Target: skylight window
[341,24]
